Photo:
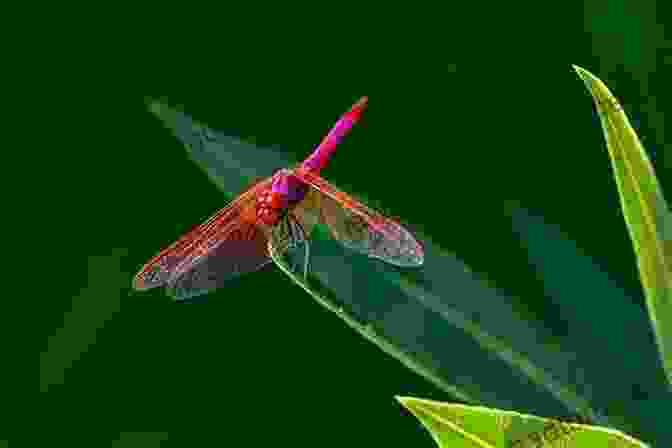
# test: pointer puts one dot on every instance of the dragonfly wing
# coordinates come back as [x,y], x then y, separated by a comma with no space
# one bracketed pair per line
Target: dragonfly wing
[238,249]
[178,256]
[362,229]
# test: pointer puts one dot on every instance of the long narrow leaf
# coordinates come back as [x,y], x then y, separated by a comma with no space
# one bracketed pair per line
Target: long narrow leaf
[645,210]
[423,318]
[460,426]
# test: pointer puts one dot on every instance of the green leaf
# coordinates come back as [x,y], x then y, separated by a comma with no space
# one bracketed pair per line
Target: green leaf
[461,426]
[322,295]
[645,210]
[394,308]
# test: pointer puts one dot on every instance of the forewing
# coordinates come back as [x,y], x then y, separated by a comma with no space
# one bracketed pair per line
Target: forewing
[362,229]
[161,268]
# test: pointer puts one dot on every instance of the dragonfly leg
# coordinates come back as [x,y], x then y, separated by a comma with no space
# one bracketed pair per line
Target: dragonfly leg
[304,239]
[305,264]
[291,237]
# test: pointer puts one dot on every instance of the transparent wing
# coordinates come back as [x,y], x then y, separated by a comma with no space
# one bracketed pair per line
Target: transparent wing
[235,223]
[239,248]
[361,229]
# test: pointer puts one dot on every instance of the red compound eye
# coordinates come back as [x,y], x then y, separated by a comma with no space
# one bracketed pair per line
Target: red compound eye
[268,216]
[263,200]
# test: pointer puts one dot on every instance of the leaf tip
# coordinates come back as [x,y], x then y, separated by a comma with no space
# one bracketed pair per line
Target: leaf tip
[410,403]
[402,400]
[578,70]
[585,76]
[153,105]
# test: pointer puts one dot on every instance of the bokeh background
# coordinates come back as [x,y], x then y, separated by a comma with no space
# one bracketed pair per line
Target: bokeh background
[474,108]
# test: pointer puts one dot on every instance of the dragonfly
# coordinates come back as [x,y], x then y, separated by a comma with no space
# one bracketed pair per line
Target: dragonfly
[277,215]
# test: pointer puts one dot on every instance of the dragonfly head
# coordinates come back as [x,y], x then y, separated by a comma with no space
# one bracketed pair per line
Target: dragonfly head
[289,187]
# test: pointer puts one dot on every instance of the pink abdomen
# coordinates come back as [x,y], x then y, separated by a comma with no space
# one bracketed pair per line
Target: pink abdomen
[319,158]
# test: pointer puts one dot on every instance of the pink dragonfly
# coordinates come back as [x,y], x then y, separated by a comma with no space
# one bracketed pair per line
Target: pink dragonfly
[277,214]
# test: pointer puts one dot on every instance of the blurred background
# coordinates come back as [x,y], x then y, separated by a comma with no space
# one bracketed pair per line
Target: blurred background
[474,113]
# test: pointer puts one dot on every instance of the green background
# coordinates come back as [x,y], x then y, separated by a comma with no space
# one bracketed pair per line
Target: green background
[472,107]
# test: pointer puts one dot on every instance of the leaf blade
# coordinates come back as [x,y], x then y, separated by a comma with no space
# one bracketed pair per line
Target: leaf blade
[645,211]
[457,425]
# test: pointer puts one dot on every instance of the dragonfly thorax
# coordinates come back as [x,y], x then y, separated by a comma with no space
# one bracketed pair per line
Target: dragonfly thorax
[289,186]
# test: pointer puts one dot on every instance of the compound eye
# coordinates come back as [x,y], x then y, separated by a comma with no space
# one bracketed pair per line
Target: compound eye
[267,215]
